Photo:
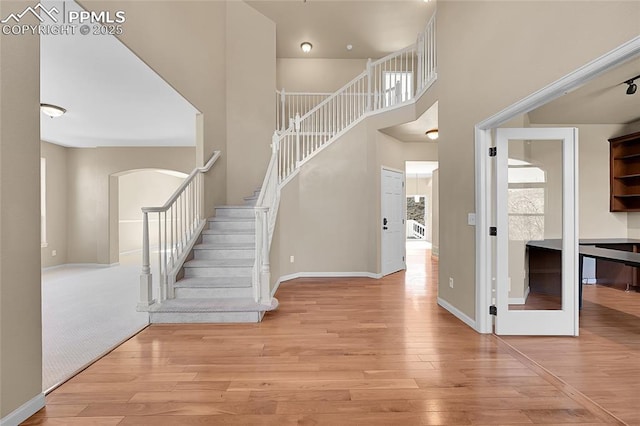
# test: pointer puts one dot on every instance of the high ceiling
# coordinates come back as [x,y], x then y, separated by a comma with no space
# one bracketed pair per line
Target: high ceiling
[374,28]
[414,131]
[112,97]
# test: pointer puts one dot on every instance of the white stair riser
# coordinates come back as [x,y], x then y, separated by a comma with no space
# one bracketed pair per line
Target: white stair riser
[228,238]
[217,272]
[224,254]
[213,292]
[222,282]
[232,226]
[204,317]
[251,202]
[237,212]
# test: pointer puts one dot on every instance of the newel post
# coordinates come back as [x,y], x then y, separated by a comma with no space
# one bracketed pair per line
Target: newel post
[275,140]
[265,268]
[146,282]
[369,75]
[298,150]
[283,98]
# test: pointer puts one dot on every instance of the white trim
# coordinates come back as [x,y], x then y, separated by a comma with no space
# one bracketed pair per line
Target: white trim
[457,313]
[276,287]
[570,82]
[25,411]
[327,275]
[88,265]
[291,176]
[520,300]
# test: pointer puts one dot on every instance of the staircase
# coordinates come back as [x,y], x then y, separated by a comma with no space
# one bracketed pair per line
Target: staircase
[215,285]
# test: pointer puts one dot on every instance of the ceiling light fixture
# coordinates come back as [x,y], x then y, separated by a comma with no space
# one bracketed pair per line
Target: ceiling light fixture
[432,134]
[52,110]
[631,89]
[306,47]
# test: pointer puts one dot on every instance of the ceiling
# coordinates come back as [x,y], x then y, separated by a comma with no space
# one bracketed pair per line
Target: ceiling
[415,169]
[112,97]
[601,101]
[414,131]
[375,28]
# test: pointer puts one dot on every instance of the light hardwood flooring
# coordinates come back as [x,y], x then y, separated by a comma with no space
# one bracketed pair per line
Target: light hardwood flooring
[341,352]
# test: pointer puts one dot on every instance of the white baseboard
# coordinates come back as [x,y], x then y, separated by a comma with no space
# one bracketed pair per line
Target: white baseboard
[457,313]
[23,412]
[520,300]
[89,265]
[327,275]
[276,287]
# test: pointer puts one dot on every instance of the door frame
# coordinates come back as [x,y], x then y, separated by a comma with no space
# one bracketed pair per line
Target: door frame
[404,215]
[483,138]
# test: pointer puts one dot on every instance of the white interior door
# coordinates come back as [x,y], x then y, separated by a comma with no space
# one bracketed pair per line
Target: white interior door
[537,231]
[393,227]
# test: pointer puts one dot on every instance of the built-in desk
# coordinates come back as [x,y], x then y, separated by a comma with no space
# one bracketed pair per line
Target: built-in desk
[617,262]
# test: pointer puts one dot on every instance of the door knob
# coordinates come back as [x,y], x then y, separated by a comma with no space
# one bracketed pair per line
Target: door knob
[385,221]
[384,227]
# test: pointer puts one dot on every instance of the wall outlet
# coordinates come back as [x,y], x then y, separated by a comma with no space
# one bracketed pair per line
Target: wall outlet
[471,219]
[292,259]
[450,282]
[54,253]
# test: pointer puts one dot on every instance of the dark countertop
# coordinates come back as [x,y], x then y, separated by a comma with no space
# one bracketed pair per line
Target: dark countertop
[588,247]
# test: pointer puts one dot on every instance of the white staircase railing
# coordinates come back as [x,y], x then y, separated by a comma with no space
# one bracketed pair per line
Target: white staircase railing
[386,83]
[290,104]
[180,221]
[415,230]
[266,211]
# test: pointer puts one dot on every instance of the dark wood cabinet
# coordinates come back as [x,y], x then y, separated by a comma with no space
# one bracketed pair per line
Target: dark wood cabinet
[624,169]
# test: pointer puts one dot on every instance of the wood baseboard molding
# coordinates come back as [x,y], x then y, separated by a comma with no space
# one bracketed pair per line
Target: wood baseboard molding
[25,411]
[88,265]
[458,313]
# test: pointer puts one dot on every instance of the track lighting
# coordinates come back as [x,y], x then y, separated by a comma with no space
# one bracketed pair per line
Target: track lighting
[631,89]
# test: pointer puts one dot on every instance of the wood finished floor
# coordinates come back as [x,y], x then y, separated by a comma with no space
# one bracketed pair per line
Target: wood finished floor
[337,352]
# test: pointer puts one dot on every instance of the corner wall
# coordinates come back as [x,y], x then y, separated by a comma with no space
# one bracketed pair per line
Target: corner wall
[20,317]
[251,109]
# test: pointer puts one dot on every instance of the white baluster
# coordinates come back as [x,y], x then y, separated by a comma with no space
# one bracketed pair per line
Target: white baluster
[282,103]
[298,151]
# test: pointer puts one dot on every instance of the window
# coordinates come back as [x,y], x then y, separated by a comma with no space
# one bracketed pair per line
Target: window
[43,202]
[526,201]
[398,87]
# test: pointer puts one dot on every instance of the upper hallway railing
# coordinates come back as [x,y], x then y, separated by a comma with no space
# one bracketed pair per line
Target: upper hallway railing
[180,221]
[386,83]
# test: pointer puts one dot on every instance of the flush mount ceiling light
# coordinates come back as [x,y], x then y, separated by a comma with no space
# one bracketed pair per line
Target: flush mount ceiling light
[306,47]
[52,110]
[432,134]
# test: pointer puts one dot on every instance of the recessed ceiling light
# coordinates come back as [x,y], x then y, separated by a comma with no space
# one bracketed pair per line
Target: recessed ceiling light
[432,134]
[52,110]
[349,46]
[306,47]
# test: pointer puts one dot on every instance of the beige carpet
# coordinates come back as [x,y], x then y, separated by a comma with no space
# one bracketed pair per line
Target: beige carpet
[86,311]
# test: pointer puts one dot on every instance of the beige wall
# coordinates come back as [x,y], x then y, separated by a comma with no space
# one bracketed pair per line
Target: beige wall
[316,75]
[56,204]
[185,43]
[20,319]
[136,190]
[251,115]
[539,49]
[329,214]
[93,194]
